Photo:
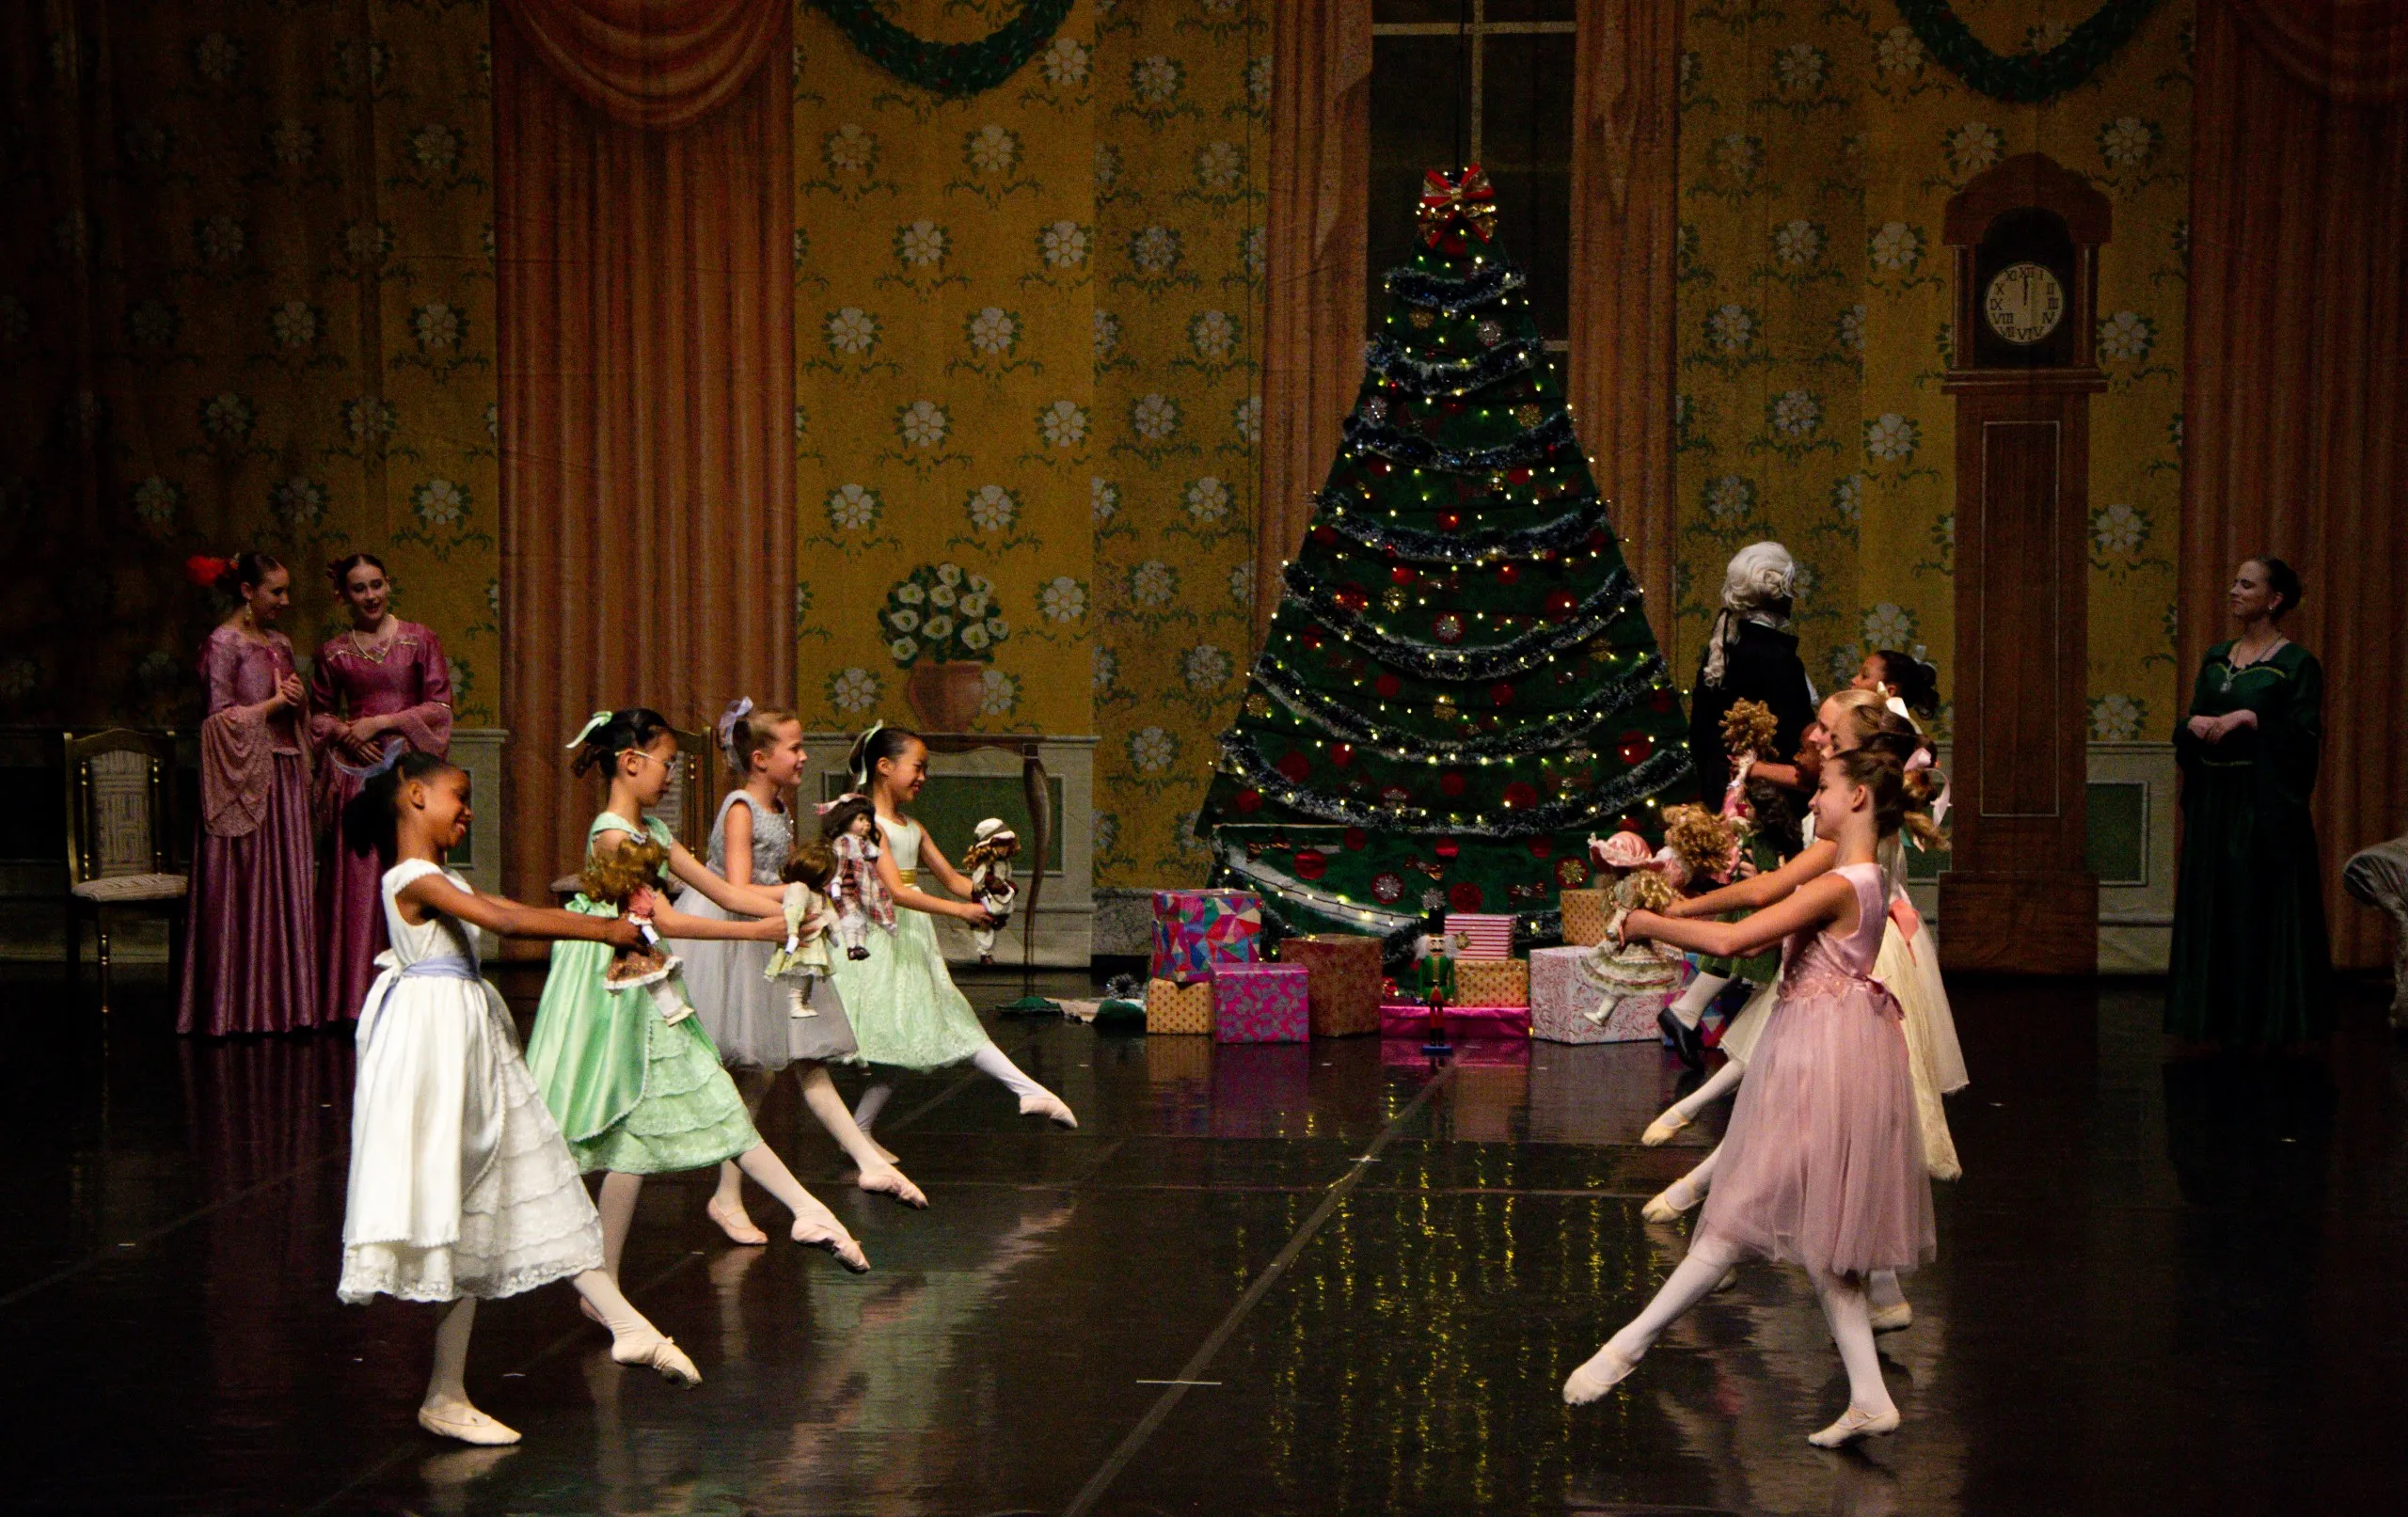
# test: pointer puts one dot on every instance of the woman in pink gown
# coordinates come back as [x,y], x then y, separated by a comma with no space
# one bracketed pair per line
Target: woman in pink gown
[250,960]
[379,687]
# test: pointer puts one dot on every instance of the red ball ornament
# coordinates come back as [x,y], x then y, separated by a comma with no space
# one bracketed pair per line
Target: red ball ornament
[1542,848]
[1501,694]
[1518,476]
[1450,520]
[1354,597]
[1560,605]
[1386,889]
[1311,864]
[1634,747]
[1597,540]
[1296,767]
[1663,698]
[1249,801]
[1446,847]
[1521,796]
[1381,468]
[1402,574]
[1509,574]
[1452,785]
[1341,754]
[1357,839]
[1465,896]
[1387,686]
[1310,638]
[1325,535]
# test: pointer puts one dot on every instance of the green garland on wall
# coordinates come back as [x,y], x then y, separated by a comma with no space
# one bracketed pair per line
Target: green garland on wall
[2024,78]
[951,70]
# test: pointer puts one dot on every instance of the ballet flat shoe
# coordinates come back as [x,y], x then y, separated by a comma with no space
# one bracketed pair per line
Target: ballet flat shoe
[1664,1206]
[894,1182]
[1853,1425]
[1894,1318]
[1660,1131]
[660,1354]
[1687,1041]
[1050,1106]
[738,1228]
[841,1246]
[468,1425]
[1730,1278]
[1603,1372]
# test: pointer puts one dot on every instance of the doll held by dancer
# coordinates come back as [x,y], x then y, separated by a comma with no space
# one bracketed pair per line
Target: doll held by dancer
[989,864]
[616,874]
[461,1188]
[857,890]
[799,966]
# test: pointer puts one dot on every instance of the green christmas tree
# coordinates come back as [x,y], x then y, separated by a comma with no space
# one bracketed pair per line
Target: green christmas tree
[1460,685]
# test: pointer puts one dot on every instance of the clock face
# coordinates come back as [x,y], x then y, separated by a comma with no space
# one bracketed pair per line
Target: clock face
[2024,303]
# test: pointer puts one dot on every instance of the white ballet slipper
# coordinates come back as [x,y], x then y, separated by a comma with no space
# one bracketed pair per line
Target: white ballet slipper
[1050,1107]
[659,1352]
[457,1419]
[1604,1371]
[1854,1423]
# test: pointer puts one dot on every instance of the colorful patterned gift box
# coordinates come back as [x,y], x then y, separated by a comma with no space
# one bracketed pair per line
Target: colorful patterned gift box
[1563,999]
[1172,1007]
[1194,931]
[1585,915]
[1474,935]
[1400,1019]
[1260,1003]
[1343,981]
[1493,982]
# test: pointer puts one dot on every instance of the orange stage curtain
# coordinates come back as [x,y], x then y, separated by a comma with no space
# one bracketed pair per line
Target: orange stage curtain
[646,323]
[1625,210]
[1315,265]
[2294,391]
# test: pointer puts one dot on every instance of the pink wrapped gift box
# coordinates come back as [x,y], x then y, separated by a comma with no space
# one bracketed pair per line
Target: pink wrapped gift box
[1404,1018]
[1478,935]
[1195,931]
[1260,1003]
[1561,998]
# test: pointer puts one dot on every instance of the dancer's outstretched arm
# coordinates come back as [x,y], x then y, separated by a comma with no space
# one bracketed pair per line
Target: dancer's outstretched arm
[1759,890]
[1818,903]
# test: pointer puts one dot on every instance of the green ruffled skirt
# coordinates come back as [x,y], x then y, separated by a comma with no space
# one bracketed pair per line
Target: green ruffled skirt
[905,1007]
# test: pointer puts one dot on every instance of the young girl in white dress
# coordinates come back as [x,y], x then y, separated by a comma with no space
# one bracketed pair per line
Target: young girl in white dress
[1822,1164]
[906,1010]
[745,1012]
[461,1188]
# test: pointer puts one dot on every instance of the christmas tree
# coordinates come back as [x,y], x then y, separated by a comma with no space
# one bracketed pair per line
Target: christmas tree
[1460,685]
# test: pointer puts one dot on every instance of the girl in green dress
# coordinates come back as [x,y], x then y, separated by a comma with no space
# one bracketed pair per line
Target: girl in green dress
[2251,966]
[905,1007]
[635,1094]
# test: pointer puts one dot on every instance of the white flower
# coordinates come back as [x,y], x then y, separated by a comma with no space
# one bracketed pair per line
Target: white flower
[436,325]
[921,244]
[1899,53]
[1892,437]
[2126,140]
[1065,63]
[1151,750]
[801,421]
[1154,416]
[1212,335]
[911,594]
[1974,147]
[2118,529]
[1062,424]
[1154,250]
[367,241]
[938,627]
[949,575]
[1848,329]
[1155,79]
[977,584]
[1103,499]
[1103,667]
[1737,154]
[220,239]
[975,604]
[973,636]
[1798,243]
[2126,335]
[848,149]
[1208,499]
[291,143]
[435,148]
[1104,330]
[218,58]
[300,503]
[1205,668]
[998,692]
[998,628]
[851,330]
[903,619]
[991,508]
[1241,584]
[293,323]
[1889,626]
[1842,663]
[439,502]
[1107,168]
[1794,413]
[1847,497]
[1730,327]
[2117,718]
[1062,599]
[1245,420]
[922,423]
[991,149]
[903,650]
[1063,245]
[155,500]
[853,690]
[1897,246]
[370,419]
[1803,579]
[1800,67]
[1219,167]
[851,508]
[944,597]
[992,329]
[1153,583]
[1729,498]
[227,416]
[1106,832]
[153,324]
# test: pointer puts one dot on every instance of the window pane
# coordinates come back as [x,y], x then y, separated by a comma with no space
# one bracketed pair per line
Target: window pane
[1389,13]
[1525,142]
[1531,10]
[1415,83]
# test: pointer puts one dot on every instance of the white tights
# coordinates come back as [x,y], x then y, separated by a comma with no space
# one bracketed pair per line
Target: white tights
[819,1094]
[812,1220]
[1690,1004]
[989,1061]
[447,1387]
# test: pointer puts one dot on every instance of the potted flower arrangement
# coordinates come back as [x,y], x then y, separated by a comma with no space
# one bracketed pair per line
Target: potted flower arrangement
[942,624]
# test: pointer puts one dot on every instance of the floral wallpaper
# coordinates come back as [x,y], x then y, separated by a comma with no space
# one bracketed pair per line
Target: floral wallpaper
[252,275]
[1819,147]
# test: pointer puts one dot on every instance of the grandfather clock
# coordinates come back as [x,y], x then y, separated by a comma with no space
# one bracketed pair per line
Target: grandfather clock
[2023,367]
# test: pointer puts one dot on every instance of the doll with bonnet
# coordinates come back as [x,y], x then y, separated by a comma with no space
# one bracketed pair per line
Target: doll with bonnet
[989,864]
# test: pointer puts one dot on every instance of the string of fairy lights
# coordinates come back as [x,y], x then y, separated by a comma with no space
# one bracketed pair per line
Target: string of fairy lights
[1568,730]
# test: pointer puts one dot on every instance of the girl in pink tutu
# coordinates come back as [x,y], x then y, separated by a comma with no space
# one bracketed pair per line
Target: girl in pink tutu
[1823,1163]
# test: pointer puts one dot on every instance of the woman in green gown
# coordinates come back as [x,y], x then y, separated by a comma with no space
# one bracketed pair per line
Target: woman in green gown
[2251,965]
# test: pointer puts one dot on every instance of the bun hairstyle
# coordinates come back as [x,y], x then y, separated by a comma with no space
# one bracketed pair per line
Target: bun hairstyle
[1881,775]
[812,862]
[338,570]
[843,815]
[1916,683]
[1884,733]
[873,747]
[2283,580]
[367,816]
[614,733]
[745,729]
[232,576]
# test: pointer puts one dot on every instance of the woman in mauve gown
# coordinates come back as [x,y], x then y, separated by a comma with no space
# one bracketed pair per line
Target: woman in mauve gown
[381,687]
[251,960]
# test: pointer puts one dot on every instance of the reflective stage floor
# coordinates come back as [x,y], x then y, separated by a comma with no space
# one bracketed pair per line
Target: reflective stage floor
[2162,1289]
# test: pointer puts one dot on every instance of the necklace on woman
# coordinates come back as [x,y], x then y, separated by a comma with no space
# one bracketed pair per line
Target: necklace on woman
[376,653]
[2237,663]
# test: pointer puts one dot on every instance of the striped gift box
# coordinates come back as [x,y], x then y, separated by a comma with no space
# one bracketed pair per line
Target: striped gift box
[1478,935]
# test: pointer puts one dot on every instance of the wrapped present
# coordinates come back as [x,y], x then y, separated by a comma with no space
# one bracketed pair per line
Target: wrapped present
[1493,982]
[1480,935]
[1474,1023]
[1585,915]
[1343,981]
[1260,1003]
[1195,931]
[1569,1006]
[1172,1007]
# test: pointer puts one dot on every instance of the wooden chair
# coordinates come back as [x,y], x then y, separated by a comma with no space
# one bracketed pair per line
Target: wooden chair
[685,806]
[121,789]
